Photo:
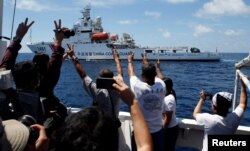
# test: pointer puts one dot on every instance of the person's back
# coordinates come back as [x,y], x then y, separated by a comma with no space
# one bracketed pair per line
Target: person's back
[108,100]
[222,125]
[92,130]
[150,92]
[25,75]
[170,122]
[150,98]
[222,122]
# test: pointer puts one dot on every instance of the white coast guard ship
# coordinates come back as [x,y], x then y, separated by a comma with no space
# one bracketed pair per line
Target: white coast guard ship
[92,43]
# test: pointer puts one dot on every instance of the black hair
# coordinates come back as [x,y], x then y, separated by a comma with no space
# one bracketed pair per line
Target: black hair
[223,105]
[24,72]
[106,73]
[169,86]
[41,61]
[149,71]
[87,130]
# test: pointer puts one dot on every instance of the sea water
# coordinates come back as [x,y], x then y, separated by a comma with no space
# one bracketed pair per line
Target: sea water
[189,78]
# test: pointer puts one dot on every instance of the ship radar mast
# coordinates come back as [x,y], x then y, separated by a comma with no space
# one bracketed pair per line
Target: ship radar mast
[86,13]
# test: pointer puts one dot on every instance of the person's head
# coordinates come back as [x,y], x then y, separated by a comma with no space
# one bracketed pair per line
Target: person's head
[26,75]
[148,73]
[106,73]
[87,130]
[4,143]
[14,134]
[41,61]
[221,103]
[169,86]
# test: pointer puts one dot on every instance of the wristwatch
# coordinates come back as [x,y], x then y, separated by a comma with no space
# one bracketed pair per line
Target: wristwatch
[17,39]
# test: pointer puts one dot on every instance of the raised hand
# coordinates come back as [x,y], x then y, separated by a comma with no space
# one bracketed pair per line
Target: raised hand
[70,50]
[125,92]
[158,64]
[115,54]
[158,69]
[58,33]
[144,58]
[130,56]
[202,95]
[42,143]
[22,28]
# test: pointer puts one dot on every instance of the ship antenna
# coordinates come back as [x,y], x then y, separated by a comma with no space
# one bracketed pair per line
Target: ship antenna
[30,35]
[14,12]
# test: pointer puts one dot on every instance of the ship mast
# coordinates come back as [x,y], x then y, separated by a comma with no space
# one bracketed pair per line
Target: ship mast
[3,44]
[13,18]
[1,16]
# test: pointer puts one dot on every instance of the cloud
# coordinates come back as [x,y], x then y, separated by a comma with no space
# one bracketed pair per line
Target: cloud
[231,32]
[106,3]
[152,14]
[217,8]
[32,5]
[179,1]
[38,5]
[165,33]
[127,22]
[201,29]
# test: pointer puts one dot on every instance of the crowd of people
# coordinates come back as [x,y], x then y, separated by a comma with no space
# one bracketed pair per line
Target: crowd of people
[32,117]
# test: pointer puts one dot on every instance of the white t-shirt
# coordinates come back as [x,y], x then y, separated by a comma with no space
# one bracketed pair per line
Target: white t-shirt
[150,99]
[170,105]
[215,124]
[101,96]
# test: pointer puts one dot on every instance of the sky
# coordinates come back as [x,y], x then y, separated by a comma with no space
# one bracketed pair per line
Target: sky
[207,24]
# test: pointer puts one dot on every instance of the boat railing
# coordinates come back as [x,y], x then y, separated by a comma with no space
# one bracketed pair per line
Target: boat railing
[239,74]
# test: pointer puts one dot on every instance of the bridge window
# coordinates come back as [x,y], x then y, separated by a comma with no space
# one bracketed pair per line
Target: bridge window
[149,51]
[161,51]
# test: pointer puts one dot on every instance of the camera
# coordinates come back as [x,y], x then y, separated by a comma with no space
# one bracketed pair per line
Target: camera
[105,83]
[208,96]
[28,120]
[68,33]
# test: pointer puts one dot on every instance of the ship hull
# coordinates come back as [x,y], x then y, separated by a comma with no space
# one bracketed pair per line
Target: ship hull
[103,52]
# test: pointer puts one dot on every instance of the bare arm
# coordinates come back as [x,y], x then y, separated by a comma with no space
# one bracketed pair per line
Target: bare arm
[11,52]
[243,96]
[116,57]
[141,131]
[80,70]
[65,56]
[199,104]
[55,62]
[22,29]
[158,70]
[167,118]
[42,143]
[130,65]
[144,58]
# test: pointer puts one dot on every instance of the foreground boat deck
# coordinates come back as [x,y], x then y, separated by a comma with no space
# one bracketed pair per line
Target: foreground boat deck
[190,133]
